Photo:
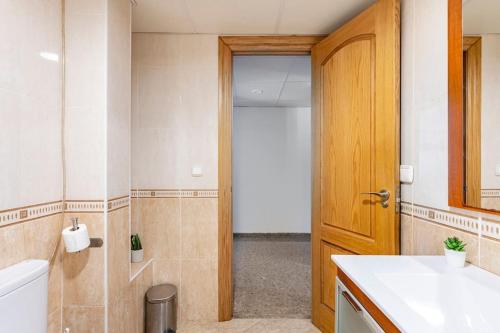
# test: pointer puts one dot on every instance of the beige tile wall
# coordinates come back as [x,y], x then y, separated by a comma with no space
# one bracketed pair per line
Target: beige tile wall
[97,49]
[30,135]
[85,143]
[423,237]
[97,138]
[174,127]
[85,99]
[490,255]
[491,203]
[127,315]
[174,110]
[118,94]
[84,319]
[30,102]
[83,280]
[32,119]
[37,239]
[125,297]
[181,235]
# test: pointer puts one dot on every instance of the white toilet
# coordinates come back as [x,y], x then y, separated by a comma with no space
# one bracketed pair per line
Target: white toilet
[23,297]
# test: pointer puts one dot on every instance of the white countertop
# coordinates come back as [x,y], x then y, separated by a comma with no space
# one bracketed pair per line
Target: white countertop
[424,295]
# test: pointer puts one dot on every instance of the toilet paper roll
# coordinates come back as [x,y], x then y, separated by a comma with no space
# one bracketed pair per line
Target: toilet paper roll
[76,240]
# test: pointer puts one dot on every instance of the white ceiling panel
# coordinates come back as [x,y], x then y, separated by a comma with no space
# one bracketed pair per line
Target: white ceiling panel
[244,16]
[295,94]
[267,81]
[318,16]
[300,69]
[243,95]
[162,16]
[261,68]
[234,16]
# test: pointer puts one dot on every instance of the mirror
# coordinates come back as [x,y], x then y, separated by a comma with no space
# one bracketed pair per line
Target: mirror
[481,103]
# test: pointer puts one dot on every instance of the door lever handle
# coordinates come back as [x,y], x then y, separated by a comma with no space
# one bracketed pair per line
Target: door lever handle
[383,194]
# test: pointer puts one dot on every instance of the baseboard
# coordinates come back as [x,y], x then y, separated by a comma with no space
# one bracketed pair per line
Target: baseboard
[273,236]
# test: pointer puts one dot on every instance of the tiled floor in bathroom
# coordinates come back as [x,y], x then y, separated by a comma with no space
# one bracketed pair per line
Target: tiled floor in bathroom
[252,326]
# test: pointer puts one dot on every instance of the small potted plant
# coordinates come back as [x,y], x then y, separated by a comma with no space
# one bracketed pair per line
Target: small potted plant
[454,250]
[136,246]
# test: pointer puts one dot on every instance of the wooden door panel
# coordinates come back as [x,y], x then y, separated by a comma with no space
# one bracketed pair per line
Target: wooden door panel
[329,273]
[355,86]
[348,240]
[346,170]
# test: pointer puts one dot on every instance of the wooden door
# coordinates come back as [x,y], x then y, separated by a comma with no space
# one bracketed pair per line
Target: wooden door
[356,146]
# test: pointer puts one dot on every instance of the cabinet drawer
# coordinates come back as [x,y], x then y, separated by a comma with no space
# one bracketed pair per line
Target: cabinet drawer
[351,316]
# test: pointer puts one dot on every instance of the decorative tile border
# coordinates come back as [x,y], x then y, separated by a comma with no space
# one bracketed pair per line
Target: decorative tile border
[27,213]
[146,193]
[494,193]
[117,203]
[406,208]
[84,206]
[450,219]
[490,229]
[96,206]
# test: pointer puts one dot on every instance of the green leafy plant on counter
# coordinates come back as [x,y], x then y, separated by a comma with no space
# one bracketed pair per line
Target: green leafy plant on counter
[454,244]
[135,242]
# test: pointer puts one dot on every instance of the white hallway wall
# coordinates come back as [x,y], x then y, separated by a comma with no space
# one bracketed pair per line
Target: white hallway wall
[272,170]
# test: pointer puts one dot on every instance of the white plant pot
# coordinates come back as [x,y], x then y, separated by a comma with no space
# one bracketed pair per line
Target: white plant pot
[137,255]
[454,258]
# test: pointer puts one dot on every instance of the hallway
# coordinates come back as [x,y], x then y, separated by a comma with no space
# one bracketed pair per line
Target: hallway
[272,276]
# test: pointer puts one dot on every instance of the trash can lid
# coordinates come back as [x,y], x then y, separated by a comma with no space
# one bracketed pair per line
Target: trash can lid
[161,293]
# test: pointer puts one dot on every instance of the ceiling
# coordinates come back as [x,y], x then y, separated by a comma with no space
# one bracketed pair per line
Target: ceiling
[481,16]
[272,81]
[244,16]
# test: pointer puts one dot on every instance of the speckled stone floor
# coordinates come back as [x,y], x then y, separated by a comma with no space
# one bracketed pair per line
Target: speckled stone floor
[252,326]
[272,276]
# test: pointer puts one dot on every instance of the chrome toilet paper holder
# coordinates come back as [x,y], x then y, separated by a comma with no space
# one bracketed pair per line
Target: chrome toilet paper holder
[74,221]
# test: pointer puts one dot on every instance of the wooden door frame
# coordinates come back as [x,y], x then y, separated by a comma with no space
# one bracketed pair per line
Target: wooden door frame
[228,47]
[455,105]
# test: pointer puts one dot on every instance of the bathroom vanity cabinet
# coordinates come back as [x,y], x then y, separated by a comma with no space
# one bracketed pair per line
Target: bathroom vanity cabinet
[352,314]
[414,294]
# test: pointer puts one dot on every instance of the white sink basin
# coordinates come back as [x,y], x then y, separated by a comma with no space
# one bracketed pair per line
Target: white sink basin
[420,294]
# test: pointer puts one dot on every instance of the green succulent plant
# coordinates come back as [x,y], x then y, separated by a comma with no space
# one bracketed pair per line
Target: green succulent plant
[135,242]
[454,244]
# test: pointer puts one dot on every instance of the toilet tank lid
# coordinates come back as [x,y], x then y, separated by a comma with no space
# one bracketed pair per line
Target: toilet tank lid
[17,275]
